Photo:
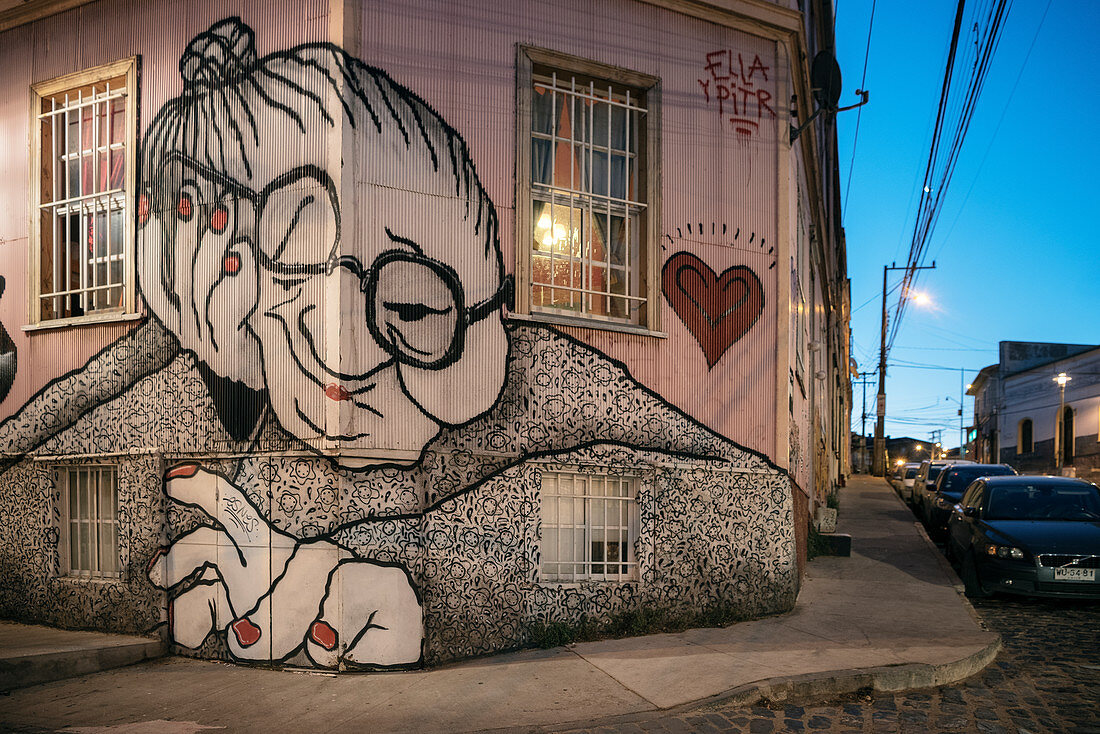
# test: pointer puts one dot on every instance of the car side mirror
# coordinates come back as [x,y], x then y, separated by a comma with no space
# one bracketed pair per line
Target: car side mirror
[971,511]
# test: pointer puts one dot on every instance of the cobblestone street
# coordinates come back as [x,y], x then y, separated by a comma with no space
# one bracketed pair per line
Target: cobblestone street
[1046,679]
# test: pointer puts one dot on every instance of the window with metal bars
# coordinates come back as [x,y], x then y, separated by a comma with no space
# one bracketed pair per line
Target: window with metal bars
[589,527]
[587,170]
[89,515]
[84,133]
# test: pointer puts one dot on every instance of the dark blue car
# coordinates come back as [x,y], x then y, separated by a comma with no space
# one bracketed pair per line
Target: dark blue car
[948,491]
[1028,535]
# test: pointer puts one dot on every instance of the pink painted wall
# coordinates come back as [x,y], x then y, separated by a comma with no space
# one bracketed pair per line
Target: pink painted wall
[89,36]
[719,186]
[461,59]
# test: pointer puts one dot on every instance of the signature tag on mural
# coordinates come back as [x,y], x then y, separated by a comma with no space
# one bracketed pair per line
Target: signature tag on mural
[716,309]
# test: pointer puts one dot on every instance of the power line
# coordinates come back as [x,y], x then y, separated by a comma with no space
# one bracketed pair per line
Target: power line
[993,137]
[951,349]
[953,118]
[859,114]
[918,366]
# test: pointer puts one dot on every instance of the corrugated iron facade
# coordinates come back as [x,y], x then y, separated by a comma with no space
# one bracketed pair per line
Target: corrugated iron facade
[325,234]
[719,186]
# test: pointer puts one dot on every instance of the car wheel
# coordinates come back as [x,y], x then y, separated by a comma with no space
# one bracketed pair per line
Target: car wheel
[971,582]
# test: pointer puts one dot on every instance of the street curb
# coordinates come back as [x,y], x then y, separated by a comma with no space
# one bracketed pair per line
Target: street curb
[30,670]
[803,689]
[949,570]
[816,687]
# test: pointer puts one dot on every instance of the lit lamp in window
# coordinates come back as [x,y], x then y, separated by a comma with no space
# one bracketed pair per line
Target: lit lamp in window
[558,269]
[548,234]
[553,234]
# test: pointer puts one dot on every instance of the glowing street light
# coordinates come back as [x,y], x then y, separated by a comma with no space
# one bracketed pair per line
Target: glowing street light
[1059,448]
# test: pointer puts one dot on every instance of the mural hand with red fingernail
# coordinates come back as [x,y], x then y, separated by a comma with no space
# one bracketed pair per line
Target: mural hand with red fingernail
[273,596]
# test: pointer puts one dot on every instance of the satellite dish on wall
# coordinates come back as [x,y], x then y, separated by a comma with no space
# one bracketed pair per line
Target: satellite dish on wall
[825,80]
[825,83]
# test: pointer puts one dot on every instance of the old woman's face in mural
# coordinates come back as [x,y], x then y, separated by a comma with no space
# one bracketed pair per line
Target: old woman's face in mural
[351,272]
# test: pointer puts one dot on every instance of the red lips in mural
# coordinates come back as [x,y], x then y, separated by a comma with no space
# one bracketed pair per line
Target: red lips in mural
[716,309]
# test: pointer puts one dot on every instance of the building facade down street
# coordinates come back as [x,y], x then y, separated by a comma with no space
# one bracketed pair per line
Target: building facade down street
[367,335]
[1023,418]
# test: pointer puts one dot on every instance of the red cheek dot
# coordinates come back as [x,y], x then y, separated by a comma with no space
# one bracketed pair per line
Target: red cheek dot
[324,635]
[231,264]
[336,392]
[219,219]
[246,632]
[183,207]
[143,209]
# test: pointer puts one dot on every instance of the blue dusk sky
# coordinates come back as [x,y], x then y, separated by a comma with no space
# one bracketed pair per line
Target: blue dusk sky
[1016,246]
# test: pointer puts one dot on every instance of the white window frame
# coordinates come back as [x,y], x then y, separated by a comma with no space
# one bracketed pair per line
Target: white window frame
[649,90]
[93,517]
[123,198]
[562,565]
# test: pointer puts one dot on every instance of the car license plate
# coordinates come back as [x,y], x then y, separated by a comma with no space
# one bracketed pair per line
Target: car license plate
[1074,574]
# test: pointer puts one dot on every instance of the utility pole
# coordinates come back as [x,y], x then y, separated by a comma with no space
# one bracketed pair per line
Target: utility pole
[878,465]
[962,428]
[863,424]
[937,443]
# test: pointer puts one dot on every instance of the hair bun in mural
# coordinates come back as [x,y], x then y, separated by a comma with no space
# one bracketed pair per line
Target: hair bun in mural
[8,362]
[220,55]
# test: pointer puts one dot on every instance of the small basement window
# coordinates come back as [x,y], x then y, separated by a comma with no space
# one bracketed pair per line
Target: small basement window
[589,527]
[89,521]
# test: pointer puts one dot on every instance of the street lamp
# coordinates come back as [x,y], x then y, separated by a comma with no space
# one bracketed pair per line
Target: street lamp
[1059,449]
[879,461]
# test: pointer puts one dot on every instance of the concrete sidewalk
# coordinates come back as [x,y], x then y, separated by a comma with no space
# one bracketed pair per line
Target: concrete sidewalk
[891,617]
[31,654]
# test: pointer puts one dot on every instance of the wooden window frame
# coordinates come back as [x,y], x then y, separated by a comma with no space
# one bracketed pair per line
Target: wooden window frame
[128,68]
[527,58]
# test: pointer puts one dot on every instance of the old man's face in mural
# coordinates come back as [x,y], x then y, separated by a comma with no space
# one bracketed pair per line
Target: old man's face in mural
[330,244]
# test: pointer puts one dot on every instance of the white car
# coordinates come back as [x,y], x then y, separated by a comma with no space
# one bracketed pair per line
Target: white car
[907,479]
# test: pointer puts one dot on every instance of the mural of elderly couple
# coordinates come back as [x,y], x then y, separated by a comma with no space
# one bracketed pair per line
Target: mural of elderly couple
[295,338]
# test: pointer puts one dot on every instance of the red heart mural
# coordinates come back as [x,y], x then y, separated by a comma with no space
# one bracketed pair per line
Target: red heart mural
[716,309]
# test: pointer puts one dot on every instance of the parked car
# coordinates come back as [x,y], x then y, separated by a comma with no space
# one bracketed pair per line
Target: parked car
[905,489]
[926,476]
[1028,535]
[948,490]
